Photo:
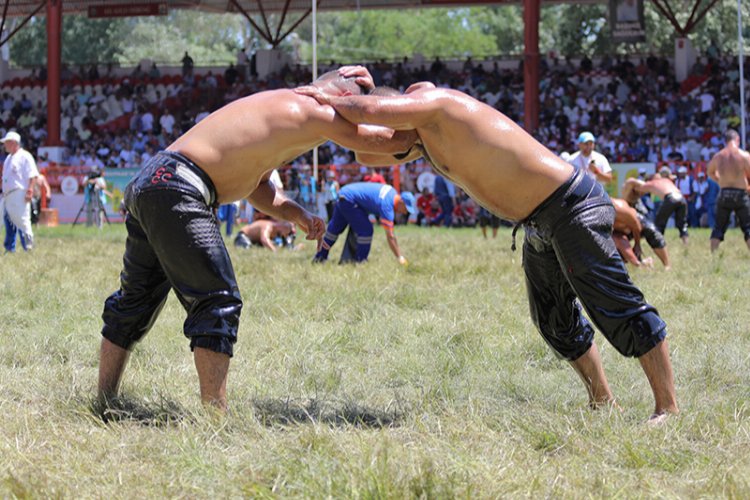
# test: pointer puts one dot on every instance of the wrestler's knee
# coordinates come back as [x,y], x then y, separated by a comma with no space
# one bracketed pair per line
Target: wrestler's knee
[569,339]
[213,323]
[219,344]
[639,335]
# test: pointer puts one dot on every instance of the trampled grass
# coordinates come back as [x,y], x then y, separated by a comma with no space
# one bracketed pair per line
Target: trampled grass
[369,382]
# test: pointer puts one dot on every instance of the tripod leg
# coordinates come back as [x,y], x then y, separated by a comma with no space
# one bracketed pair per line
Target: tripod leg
[83,207]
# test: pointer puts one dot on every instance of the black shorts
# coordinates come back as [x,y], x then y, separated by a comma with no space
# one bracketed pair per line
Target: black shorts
[650,233]
[174,242]
[569,254]
[732,200]
[673,204]
[487,218]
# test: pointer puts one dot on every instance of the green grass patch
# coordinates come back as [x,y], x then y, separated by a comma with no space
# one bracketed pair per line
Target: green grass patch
[368,381]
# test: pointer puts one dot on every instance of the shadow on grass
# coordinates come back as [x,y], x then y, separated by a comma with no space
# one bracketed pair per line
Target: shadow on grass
[272,412]
[123,408]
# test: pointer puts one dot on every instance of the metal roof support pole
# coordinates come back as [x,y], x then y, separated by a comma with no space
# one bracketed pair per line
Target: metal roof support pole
[741,57]
[54,54]
[314,40]
[531,14]
[266,36]
[21,24]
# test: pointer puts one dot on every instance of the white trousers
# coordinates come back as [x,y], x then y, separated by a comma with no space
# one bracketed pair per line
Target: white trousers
[19,213]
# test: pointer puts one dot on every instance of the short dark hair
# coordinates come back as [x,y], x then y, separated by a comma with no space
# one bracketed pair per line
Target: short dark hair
[384,91]
[342,83]
[730,135]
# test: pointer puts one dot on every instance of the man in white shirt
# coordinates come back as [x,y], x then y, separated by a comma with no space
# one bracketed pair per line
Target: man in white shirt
[596,164]
[19,178]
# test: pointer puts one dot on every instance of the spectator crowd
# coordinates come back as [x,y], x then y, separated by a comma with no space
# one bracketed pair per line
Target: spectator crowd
[637,109]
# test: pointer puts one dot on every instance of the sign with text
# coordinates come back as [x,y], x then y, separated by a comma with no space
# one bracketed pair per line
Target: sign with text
[128,10]
[626,20]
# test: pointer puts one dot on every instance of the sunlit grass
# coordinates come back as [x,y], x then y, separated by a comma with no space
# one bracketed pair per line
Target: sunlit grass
[369,381]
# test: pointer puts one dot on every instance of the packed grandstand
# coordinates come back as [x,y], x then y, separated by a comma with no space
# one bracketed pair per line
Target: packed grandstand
[635,106]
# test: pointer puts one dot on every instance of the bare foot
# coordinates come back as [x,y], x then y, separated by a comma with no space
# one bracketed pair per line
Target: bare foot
[658,419]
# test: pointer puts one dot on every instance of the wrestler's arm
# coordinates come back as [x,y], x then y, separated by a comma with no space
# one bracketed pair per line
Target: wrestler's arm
[269,200]
[405,112]
[265,238]
[712,169]
[386,160]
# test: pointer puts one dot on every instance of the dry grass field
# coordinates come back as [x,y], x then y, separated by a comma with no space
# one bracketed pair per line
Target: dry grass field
[369,381]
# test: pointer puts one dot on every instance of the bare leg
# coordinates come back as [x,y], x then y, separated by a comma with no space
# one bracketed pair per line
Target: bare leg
[747,242]
[484,232]
[112,361]
[715,244]
[212,370]
[589,368]
[658,369]
[685,240]
[663,257]
[494,233]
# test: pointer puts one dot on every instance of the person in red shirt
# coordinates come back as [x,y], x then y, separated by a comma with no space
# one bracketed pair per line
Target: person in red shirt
[426,206]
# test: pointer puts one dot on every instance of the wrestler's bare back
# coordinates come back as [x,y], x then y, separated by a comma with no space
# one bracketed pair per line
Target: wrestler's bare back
[660,186]
[730,167]
[484,152]
[243,141]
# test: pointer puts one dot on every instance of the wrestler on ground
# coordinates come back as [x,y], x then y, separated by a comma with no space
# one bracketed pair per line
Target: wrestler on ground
[568,250]
[356,202]
[672,201]
[627,227]
[652,235]
[173,238]
[264,233]
[730,168]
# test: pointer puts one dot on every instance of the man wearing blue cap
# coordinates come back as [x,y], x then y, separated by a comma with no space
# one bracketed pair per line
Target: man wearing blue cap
[356,202]
[589,160]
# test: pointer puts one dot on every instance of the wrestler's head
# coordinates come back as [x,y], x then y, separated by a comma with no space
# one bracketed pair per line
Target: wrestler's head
[384,91]
[334,84]
[731,136]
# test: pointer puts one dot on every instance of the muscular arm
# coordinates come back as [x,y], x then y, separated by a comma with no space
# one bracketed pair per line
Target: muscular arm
[403,112]
[383,160]
[364,138]
[265,238]
[274,203]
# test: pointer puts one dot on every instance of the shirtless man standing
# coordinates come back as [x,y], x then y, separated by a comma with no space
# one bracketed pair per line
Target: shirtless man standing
[730,167]
[173,239]
[673,201]
[263,232]
[568,249]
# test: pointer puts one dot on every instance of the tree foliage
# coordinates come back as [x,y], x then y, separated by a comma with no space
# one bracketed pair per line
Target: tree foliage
[565,29]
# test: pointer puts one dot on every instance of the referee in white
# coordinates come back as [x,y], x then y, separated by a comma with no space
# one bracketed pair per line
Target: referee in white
[19,177]
[587,159]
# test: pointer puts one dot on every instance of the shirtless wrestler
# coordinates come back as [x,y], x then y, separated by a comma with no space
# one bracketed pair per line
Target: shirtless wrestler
[173,240]
[263,232]
[625,228]
[730,168]
[673,202]
[568,251]
[652,235]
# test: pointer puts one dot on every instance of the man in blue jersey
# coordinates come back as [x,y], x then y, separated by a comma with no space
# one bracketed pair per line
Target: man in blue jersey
[356,202]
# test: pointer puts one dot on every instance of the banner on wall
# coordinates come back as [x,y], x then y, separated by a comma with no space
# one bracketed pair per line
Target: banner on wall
[626,20]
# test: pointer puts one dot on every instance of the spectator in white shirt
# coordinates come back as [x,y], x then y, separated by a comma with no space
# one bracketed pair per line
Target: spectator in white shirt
[589,160]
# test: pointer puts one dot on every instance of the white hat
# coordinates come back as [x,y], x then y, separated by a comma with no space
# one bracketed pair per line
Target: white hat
[11,136]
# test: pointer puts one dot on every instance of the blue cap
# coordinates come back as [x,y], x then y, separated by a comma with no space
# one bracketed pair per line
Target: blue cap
[409,201]
[586,137]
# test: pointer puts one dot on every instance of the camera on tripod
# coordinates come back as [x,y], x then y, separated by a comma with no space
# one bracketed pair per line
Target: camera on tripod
[93,203]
